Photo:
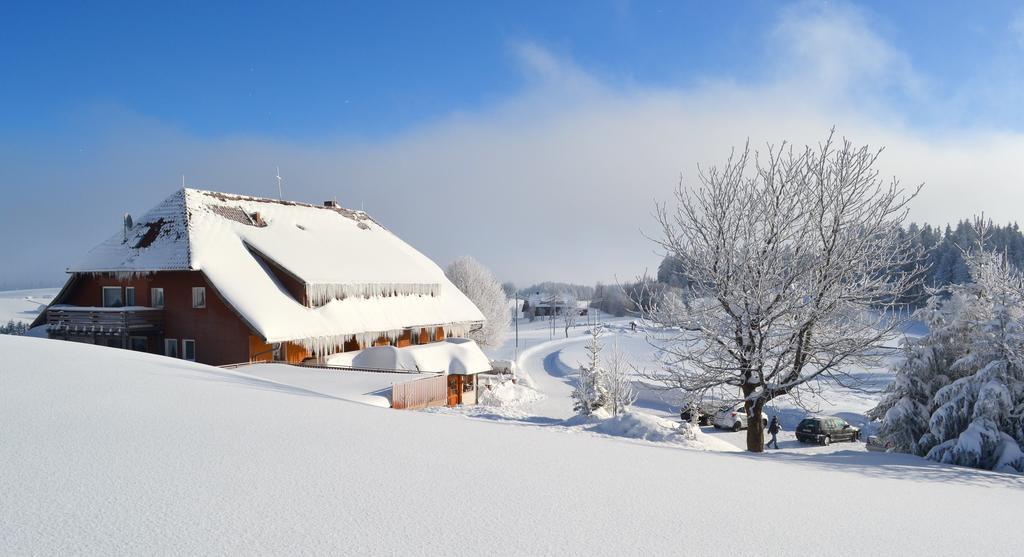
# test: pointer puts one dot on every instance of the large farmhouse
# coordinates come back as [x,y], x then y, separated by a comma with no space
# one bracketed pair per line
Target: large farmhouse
[221,279]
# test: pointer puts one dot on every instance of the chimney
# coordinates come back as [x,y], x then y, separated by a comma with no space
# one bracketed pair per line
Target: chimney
[331,204]
[127,226]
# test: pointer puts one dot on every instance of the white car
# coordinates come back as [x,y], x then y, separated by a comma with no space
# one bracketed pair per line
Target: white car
[735,417]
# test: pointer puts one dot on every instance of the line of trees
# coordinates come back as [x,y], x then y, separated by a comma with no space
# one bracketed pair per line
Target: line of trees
[14,328]
[577,291]
[944,259]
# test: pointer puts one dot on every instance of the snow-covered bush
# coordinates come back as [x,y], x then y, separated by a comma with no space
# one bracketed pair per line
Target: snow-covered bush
[507,394]
[618,383]
[634,424]
[959,394]
[604,386]
[480,286]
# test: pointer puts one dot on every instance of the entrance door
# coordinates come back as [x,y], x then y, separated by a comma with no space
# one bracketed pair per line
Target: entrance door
[454,390]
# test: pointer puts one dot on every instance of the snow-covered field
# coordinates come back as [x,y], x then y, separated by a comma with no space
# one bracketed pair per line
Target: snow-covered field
[107,452]
[24,305]
[549,363]
[364,387]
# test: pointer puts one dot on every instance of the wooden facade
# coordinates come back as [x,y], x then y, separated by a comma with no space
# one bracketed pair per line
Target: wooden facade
[214,334]
[420,393]
[439,390]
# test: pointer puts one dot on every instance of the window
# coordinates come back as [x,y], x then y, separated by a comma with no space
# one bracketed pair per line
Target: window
[277,352]
[129,296]
[138,344]
[171,347]
[198,297]
[112,297]
[415,336]
[188,349]
[156,297]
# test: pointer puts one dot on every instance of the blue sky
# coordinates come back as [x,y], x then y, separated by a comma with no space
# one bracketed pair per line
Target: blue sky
[369,69]
[527,110]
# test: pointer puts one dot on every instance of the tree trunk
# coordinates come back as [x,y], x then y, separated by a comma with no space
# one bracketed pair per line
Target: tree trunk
[755,433]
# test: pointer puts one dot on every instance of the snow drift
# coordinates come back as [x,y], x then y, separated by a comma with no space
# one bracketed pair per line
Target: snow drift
[111,452]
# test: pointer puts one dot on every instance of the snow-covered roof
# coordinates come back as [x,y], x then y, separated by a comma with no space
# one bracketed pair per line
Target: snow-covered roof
[360,279]
[545,299]
[453,356]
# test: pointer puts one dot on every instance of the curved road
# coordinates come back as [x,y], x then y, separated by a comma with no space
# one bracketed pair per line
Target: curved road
[550,377]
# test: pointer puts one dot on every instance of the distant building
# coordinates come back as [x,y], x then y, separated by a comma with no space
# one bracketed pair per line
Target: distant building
[544,304]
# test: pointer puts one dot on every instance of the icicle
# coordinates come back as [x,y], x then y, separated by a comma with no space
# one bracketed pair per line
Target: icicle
[325,345]
[120,275]
[319,294]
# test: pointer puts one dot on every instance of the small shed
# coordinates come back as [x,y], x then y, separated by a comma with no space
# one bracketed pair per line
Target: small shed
[456,361]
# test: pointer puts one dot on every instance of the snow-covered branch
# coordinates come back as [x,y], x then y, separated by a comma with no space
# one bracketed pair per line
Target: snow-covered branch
[795,262]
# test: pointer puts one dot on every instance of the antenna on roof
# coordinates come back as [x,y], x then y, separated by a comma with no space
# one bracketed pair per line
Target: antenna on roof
[280,194]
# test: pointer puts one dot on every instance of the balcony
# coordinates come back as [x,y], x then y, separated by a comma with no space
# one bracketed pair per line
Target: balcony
[123,321]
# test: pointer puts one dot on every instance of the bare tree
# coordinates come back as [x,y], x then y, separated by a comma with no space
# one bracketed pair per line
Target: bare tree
[480,286]
[795,264]
[618,381]
[570,314]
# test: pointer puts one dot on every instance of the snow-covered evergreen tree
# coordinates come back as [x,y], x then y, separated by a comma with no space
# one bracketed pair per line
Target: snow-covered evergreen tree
[14,328]
[922,371]
[480,286]
[590,392]
[959,395]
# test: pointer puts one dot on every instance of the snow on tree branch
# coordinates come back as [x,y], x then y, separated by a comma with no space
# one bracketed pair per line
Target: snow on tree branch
[795,264]
[480,286]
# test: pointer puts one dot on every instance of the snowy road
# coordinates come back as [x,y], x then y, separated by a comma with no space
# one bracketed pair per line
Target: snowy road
[550,366]
[551,377]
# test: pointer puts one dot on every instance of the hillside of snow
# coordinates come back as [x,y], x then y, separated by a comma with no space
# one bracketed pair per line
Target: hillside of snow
[24,305]
[109,452]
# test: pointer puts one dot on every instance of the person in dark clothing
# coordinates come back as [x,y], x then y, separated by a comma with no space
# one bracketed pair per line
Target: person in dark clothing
[774,428]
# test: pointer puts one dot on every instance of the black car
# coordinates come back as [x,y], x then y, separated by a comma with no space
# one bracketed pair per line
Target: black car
[705,412]
[825,430]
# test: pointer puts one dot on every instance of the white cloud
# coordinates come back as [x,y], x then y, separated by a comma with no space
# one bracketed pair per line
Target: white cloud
[834,49]
[1017,27]
[557,181]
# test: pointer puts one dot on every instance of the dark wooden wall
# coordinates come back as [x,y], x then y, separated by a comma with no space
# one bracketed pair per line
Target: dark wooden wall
[221,336]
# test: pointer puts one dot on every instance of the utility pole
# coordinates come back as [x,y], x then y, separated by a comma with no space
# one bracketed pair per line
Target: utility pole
[515,319]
